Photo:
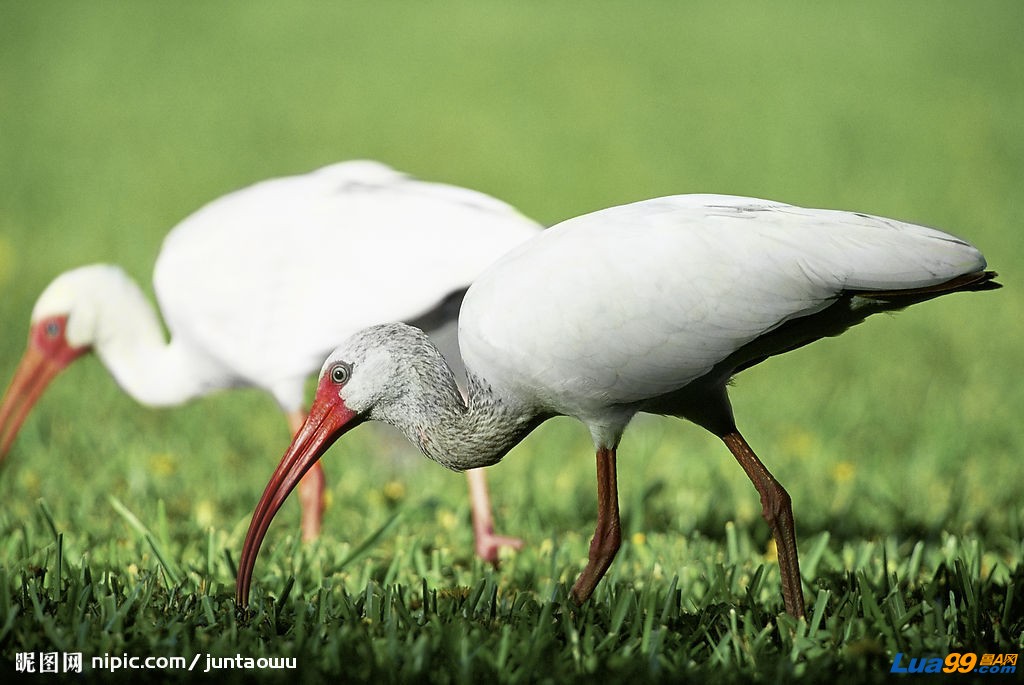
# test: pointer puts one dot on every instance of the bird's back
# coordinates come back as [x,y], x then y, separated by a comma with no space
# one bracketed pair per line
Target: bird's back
[268,279]
[632,303]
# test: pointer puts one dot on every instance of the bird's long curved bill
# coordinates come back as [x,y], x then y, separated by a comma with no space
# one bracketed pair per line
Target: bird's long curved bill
[328,420]
[34,373]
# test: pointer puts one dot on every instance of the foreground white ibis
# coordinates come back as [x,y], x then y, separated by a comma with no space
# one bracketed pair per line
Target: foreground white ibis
[248,287]
[648,307]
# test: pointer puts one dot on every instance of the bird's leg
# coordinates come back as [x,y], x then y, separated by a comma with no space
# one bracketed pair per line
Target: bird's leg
[311,487]
[777,510]
[311,497]
[607,533]
[487,543]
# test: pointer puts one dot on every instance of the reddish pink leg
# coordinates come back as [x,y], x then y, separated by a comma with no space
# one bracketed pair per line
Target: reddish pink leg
[607,534]
[778,512]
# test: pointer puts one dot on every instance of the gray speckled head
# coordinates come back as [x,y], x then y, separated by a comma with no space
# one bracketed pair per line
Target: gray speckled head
[393,373]
[387,366]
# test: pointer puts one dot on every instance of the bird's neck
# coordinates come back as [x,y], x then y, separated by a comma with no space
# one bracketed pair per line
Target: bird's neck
[130,342]
[463,432]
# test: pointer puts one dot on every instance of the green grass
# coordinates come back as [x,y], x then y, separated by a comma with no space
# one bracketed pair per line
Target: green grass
[900,442]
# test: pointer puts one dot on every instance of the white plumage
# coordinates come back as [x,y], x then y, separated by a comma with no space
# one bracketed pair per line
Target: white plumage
[287,248]
[633,302]
[259,285]
[652,307]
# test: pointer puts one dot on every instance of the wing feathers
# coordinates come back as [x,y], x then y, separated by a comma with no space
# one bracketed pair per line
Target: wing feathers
[638,301]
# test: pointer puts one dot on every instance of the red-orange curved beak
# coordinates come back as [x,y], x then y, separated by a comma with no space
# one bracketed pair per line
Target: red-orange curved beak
[47,355]
[328,420]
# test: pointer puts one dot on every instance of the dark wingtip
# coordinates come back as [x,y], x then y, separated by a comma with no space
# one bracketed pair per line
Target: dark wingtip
[985,281]
[979,280]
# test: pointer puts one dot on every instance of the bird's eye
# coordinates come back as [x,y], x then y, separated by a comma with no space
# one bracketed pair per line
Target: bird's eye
[52,329]
[340,373]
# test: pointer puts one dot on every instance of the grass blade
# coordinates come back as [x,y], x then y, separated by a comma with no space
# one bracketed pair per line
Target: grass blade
[135,523]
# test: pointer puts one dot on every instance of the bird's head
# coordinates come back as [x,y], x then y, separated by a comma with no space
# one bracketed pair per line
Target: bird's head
[366,378]
[62,329]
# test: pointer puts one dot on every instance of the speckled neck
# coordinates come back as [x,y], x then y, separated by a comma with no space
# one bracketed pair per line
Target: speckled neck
[456,432]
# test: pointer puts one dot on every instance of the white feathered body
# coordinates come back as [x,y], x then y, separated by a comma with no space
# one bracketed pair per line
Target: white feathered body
[625,309]
[259,285]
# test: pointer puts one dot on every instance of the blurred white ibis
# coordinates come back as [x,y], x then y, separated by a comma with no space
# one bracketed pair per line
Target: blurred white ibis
[249,289]
[649,307]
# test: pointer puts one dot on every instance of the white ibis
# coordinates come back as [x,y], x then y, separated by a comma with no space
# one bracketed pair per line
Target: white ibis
[652,307]
[248,286]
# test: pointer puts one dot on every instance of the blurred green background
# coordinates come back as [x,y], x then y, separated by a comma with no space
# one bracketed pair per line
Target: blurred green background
[119,119]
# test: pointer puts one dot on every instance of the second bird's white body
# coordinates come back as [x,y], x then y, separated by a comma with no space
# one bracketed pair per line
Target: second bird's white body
[248,285]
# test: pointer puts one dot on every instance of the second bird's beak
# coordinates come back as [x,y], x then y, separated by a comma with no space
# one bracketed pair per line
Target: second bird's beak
[43,360]
[34,373]
[328,420]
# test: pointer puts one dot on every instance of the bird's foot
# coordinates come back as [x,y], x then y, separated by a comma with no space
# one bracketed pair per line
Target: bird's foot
[488,544]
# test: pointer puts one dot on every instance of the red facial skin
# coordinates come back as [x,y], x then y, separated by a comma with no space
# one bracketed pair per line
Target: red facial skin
[47,355]
[328,420]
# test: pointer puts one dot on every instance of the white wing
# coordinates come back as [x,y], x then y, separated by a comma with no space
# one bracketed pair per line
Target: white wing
[634,302]
[270,278]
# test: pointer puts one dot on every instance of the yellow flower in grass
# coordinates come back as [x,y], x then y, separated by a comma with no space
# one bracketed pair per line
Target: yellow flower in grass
[843,472]
[394,491]
[204,513]
[162,464]
[447,519]
[30,482]
[800,443]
